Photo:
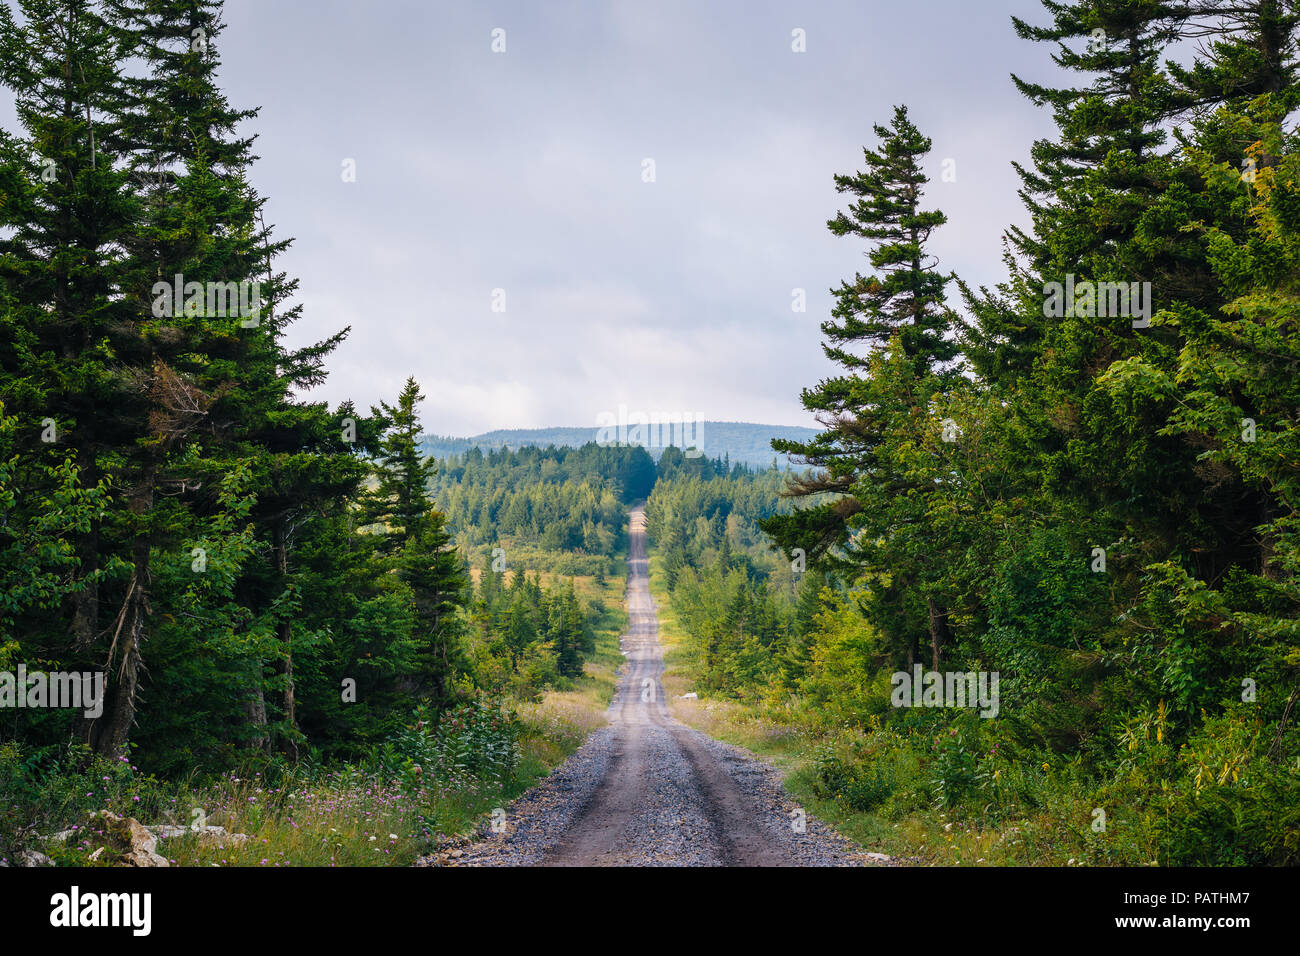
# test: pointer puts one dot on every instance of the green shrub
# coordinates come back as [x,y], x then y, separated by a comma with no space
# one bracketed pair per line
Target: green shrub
[1254,825]
[858,787]
[954,770]
[475,742]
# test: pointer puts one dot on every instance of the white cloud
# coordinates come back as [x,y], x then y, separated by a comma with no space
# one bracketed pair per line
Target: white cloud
[522,171]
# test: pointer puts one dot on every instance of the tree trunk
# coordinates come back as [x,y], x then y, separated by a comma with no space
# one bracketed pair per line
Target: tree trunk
[255,710]
[939,634]
[284,666]
[131,629]
[130,632]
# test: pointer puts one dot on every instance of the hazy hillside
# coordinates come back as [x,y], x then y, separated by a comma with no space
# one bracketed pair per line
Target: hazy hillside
[743,441]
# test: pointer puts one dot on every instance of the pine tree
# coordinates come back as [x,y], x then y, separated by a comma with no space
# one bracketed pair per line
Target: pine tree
[905,296]
[435,572]
[903,299]
[195,228]
[401,497]
[179,411]
[1110,201]
[1090,440]
[566,627]
[75,362]
[1090,186]
[415,539]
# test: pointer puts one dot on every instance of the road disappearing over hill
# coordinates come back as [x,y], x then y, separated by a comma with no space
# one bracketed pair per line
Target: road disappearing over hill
[649,791]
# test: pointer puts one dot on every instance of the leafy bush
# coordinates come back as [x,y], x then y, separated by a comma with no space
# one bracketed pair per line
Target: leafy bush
[1240,825]
[954,768]
[475,742]
[1236,804]
[859,786]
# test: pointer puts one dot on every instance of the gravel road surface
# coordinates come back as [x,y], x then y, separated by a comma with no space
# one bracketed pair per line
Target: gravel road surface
[649,791]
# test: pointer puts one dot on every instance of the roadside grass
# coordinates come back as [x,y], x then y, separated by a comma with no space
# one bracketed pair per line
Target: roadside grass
[303,816]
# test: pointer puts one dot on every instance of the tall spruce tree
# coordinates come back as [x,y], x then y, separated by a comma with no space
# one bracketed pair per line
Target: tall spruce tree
[890,331]
[416,540]
[188,416]
[75,364]
[1088,186]
[302,454]
[904,297]
[1092,450]
[401,496]
[1111,201]
[435,572]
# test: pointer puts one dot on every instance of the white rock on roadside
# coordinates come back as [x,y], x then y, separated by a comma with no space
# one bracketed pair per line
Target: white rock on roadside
[208,835]
[135,845]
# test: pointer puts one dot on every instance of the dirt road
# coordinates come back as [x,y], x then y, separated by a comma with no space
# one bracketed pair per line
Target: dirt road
[648,790]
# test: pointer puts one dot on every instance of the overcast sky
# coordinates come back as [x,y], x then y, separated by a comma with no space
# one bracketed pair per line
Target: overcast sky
[523,171]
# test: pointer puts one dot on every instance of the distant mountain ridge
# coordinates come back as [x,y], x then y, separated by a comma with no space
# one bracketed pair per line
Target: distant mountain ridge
[745,442]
